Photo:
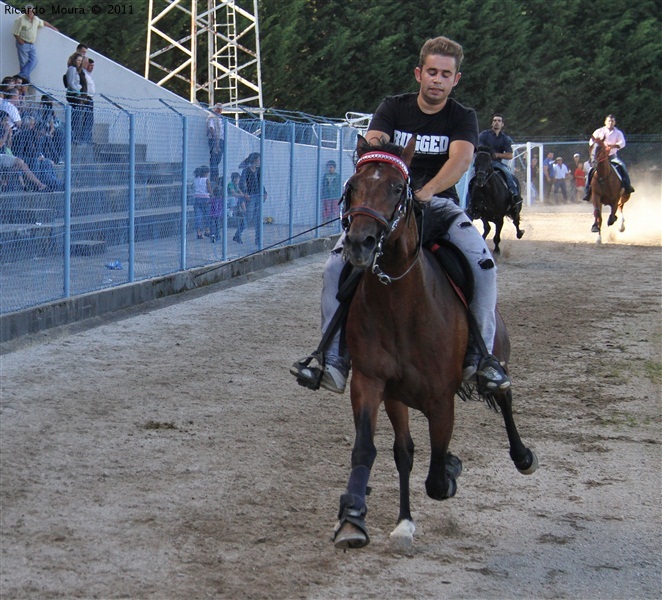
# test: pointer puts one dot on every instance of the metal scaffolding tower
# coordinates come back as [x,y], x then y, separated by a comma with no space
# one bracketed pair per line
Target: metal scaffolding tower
[228,34]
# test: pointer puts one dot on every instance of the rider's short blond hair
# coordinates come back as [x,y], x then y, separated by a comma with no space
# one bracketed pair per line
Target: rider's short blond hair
[444,47]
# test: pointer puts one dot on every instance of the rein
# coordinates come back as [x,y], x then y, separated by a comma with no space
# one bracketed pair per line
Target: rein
[403,209]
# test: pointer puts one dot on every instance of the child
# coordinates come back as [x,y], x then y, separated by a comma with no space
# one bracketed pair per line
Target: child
[215,213]
[330,191]
[239,204]
[202,196]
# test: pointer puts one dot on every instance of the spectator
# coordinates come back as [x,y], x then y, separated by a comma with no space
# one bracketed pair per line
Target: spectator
[8,160]
[535,175]
[330,191]
[51,131]
[250,185]
[215,139]
[239,200]
[9,105]
[559,174]
[202,196]
[25,31]
[215,214]
[580,177]
[88,100]
[547,164]
[75,84]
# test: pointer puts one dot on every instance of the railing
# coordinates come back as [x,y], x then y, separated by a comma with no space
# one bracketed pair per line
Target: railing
[119,204]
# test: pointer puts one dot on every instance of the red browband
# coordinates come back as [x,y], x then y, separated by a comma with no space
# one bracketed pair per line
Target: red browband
[392,159]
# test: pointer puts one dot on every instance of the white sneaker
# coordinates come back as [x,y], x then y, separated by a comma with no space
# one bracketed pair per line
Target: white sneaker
[334,379]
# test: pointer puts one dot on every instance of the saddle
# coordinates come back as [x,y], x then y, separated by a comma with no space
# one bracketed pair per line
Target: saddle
[454,265]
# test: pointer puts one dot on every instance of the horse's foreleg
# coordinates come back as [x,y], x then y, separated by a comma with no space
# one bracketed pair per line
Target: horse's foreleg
[525,460]
[444,467]
[497,236]
[520,232]
[486,228]
[597,215]
[351,530]
[402,537]
[612,216]
[621,202]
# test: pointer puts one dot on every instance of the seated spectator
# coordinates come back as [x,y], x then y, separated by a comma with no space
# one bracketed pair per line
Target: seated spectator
[51,131]
[7,84]
[9,161]
[8,105]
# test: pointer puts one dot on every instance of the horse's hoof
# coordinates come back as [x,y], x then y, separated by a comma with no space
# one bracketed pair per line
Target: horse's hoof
[520,233]
[622,228]
[401,540]
[530,465]
[350,536]
[611,220]
[453,465]
[496,250]
[595,229]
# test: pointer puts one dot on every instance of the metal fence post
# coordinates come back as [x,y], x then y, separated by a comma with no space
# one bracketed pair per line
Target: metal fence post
[184,197]
[132,188]
[260,211]
[66,287]
[291,202]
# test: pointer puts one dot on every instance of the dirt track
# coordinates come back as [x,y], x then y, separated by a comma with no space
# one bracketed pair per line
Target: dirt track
[167,453]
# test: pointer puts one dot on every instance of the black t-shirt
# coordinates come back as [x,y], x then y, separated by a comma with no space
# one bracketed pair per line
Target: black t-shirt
[400,118]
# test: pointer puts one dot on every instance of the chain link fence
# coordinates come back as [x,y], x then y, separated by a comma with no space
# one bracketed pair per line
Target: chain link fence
[103,193]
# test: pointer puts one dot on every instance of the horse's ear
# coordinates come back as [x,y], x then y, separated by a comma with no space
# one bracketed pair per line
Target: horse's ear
[362,146]
[408,152]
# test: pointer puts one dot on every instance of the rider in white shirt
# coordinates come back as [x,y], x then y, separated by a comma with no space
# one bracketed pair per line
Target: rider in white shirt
[614,140]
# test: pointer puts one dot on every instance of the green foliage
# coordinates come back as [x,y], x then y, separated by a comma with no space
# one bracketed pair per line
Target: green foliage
[553,67]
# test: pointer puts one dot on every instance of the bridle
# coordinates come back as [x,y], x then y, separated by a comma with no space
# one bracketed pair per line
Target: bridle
[389,225]
[484,172]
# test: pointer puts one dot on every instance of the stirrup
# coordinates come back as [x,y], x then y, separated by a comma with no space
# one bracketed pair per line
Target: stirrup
[491,377]
[327,376]
[306,375]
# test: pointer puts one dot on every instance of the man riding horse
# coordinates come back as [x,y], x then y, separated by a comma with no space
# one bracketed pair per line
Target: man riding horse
[614,140]
[502,149]
[446,135]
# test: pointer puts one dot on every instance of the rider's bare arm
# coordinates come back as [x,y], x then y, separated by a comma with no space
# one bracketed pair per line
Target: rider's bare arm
[460,154]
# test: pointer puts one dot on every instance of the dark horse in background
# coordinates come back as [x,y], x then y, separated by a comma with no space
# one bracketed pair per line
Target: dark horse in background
[407,335]
[606,189]
[489,197]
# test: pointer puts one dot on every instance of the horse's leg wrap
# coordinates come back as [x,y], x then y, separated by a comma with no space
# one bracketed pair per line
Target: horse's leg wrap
[352,510]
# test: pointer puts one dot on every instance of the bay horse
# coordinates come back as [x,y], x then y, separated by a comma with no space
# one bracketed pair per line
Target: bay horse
[407,340]
[489,197]
[606,189]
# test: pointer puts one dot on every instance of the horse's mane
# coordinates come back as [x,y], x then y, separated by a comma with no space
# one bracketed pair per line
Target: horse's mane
[389,147]
[487,149]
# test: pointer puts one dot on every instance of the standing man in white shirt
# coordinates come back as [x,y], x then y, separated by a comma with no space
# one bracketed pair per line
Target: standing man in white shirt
[88,105]
[25,31]
[614,141]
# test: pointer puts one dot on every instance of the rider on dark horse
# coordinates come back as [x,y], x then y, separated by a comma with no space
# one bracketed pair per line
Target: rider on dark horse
[502,149]
[447,134]
[614,140]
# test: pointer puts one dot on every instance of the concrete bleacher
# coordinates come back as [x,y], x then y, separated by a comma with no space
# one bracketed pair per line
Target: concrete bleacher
[100,173]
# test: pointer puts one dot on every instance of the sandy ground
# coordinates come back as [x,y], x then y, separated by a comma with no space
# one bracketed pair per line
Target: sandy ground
[166,452]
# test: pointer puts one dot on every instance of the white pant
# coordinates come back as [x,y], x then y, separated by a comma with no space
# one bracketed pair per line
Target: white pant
[466,237]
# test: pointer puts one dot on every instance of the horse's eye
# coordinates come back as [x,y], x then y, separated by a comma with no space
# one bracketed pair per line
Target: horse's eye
[399,188]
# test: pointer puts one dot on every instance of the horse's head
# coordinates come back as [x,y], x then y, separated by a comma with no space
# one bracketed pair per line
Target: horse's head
[599,150]
[375,200]
[483,165]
